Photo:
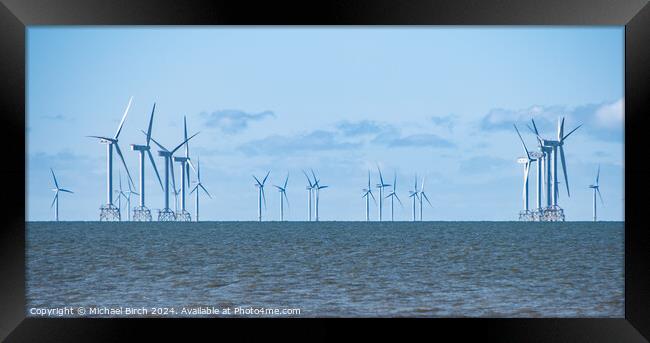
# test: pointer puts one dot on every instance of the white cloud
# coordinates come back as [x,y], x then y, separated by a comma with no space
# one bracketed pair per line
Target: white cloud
[610,115]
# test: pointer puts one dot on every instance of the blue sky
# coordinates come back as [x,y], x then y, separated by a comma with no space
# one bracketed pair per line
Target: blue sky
[436,101]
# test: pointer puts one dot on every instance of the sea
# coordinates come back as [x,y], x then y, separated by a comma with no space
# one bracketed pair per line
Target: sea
[325,269]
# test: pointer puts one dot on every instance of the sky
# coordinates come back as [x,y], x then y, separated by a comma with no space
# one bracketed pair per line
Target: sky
[437,102]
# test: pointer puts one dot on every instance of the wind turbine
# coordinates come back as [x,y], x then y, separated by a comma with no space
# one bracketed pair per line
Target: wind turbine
[176,193]
[543,171]
[381,186]
[368,192]
[317,187]
[283,195]
[393,196]
[260,194]
[526,161]
[119,193]
[309,188]
[414,194]
[109,211]
[556,145]
[142,213]
[596,189]
[166,214]
[423,196]
[56,191]
[185,164]
[196,188]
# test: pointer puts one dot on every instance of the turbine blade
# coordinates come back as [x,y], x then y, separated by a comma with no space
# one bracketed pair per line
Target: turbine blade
[572,131]
[155,169]
[285,181]
[308,179]
[256,180]
[535,127]
[56,196]
[56,184]
[400,201]
[381,178]
[600,196]
[100,137]
[148,134]
[65,190]
[198,169]
[373,196]
[598,175]
[205,190]
[566,178]
[266,177]
[158,144]
[522,141]
[427,199]
[119,128]
[560,129]
[193,189]
[187,146]
[171,167]
[119,152]
[185,141]
[527,170]
[263,197]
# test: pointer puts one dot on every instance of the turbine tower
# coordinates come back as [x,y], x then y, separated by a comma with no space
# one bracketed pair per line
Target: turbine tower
[414,194]
[260,195]
[166,213]
[108,211]
[56,191]
[283,196]
[196,189]
[185,164]
[381,186]
[423,196]
[393,196]
[596,189]
[317,187]
[368,192]
[141,212]
[119,193]
[310,187]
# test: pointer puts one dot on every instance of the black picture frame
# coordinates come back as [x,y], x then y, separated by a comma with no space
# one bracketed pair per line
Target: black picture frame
[16,15]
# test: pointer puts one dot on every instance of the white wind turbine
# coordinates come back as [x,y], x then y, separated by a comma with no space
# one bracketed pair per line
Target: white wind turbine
[381,186]
[56,191]
[196,188]
[317,187]
[393,196]
[142,213]
[119,193]
[310,187]
[423,196]
[415,195]
[596,189]
[166,214]
[260,194]
[283,196]
[367,193]
[109,211]
[526,161]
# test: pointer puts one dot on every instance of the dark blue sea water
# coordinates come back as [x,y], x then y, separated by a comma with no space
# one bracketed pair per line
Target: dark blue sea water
[348,269]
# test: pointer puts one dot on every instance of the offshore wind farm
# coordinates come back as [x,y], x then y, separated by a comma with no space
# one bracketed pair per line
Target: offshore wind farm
[367,172]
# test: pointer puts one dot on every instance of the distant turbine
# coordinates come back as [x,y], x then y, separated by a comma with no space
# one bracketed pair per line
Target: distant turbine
[196,188]
[317,187]
[366,193]
[142,213]
[414,194]
[176,193]
[166,214]
[260,190]
[119,193]
[310,187]
[56,191]
[185,164]
[393,196]
[381,186]
[596,189]
[108,211]
[283,196]
[423,196]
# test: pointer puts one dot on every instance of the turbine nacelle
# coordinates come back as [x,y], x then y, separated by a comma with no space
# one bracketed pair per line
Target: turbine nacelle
[136,147]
